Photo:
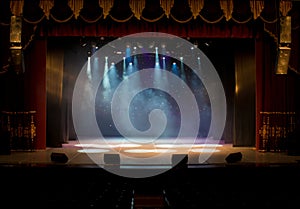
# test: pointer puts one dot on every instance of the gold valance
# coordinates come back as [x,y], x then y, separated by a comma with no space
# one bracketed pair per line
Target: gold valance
[227,7]
[16,7]
[137,6]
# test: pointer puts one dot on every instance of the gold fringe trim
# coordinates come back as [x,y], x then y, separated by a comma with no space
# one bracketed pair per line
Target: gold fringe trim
[181,21]
[212,22]
[118,20]
[153,20]
[227,7]
[256,7]
[285,7]
[279,113]
[76,6]
[137,7]
[34,22]
[196,6]
[4,24]
[167,5]
[91,21]
[241,22]
[272,35]
[31,37]
[296,28]
[61,21]
[46,5]
[294,70]
[106,6]
[16,7]
[267,21]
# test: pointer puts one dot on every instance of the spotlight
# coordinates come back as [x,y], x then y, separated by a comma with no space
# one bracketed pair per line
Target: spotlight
[139,45]
[234,157]
[151,45]
[179,160]
[113,159]
[134,49]
[93,44]
[196,44]
[111,45]
[179,45]
[59,157]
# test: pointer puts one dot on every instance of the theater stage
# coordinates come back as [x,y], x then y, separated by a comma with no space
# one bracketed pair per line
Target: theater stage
[259,179]
[81,153]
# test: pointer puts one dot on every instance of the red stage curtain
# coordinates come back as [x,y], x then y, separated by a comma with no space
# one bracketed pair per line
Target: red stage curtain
[276,96]
[35,87]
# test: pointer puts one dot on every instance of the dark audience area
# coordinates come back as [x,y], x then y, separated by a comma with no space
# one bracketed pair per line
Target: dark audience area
[228,186]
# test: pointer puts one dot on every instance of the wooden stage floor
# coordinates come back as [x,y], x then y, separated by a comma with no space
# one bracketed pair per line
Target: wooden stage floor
[33,179]
[84,153]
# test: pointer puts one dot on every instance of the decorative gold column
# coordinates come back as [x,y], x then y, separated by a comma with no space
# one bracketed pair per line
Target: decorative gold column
[16,43]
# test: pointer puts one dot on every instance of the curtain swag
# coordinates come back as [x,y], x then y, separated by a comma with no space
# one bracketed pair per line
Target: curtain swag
[227,7]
